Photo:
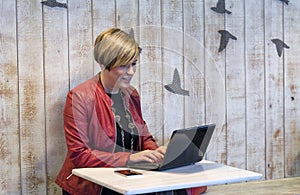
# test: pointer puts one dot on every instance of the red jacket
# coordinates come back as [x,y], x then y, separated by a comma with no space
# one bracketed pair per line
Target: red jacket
[90,133]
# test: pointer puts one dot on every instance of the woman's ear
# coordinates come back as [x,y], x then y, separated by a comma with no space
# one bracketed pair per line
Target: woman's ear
[102,66]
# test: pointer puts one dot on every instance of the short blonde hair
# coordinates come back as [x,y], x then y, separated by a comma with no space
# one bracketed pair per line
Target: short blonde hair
[114,47]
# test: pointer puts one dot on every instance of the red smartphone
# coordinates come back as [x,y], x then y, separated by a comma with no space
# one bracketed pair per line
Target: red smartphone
[128,173]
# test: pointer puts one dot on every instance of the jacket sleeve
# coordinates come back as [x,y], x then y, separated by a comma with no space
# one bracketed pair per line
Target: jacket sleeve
[148,141]
[80,140]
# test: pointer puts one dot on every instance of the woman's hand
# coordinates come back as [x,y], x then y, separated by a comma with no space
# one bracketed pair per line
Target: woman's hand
[153,156]
[162,149]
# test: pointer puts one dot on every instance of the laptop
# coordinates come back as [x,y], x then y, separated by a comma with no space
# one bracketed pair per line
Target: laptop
[186,146]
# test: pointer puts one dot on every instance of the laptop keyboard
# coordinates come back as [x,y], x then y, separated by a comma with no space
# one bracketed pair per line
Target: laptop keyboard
[145,165]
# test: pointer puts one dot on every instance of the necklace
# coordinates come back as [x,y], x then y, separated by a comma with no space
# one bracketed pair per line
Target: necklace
[127,121]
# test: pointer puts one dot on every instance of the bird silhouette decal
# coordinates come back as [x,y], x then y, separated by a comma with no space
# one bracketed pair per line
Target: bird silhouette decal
[280,45]
[54,3]
[220,7]
[131,33]
[225,36]
[175,86]
[285,1]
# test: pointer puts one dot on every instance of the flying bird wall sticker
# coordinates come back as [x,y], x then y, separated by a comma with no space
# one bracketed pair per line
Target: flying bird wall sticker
[175,86]
[285,1]
[220,7]
[54,3]
[280,45]
[225,36]
[131,33]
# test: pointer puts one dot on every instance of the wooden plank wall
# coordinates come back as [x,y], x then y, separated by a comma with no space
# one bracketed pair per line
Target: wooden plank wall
[247,89]
[255,87]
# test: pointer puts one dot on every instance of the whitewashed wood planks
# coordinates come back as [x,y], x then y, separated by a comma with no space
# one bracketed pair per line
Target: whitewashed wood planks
[247,89]
[235,85]
[255,94]
[194,66]
[274,91]
[81,60]
[215,94]
[291,89]
[172,58]
[56,76]
[32,99]
[151,84]
[9,101]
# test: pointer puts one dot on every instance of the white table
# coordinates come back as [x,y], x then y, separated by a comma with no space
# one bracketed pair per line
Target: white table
[204,173]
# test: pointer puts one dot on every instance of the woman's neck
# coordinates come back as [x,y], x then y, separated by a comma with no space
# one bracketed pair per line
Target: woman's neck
[106,85]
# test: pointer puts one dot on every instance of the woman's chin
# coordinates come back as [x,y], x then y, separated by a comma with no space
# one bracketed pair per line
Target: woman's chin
[124,84]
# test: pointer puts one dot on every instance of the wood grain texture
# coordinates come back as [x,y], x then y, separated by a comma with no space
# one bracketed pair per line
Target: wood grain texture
[235,86]
[215,83]
[80,41]
[292,90]
[172,58]
[288,186]
[255,71]
[9,122]
[31,91]
[250,92]
[274,92]
[194,76]
[151,84]
[56,88]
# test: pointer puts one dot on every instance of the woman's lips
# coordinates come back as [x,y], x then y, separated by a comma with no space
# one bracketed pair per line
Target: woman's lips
[127,80]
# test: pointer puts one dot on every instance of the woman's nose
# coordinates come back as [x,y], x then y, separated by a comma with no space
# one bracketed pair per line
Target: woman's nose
[131,69]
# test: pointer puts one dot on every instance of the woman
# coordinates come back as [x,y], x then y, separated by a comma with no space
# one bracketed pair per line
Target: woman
[103,121]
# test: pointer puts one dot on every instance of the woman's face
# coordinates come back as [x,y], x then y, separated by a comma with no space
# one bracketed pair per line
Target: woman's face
[119,77]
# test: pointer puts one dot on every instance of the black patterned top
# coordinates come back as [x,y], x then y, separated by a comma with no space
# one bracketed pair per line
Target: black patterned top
[127,138]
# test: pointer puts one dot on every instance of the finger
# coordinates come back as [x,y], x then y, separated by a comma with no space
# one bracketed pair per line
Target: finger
[162,149]
[156,156]
[151,156]
[141,156]
[159,155]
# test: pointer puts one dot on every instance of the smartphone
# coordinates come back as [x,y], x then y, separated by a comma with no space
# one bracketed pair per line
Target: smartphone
[128,173]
